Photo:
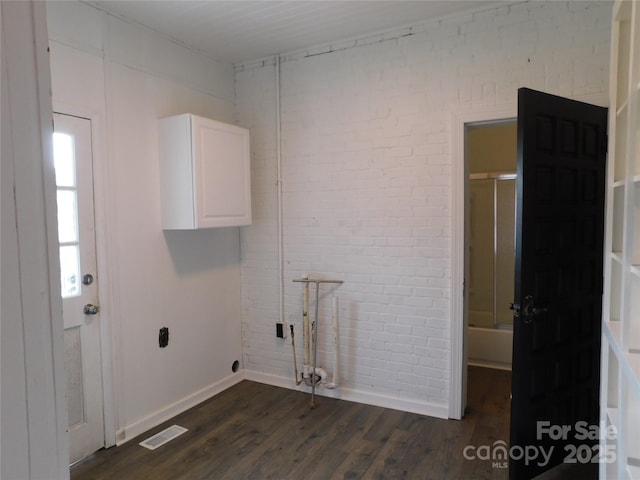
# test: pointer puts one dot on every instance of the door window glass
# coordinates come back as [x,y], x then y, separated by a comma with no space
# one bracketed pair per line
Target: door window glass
[67,200]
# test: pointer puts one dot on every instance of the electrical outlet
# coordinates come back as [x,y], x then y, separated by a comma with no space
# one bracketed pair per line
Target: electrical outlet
[279,330]
[163,337]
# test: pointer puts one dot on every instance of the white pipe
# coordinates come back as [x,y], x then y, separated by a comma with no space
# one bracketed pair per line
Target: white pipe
[279,193]
[311,372]
[306,332]
[295,362]
[322,373]
[314,327]
[336,367]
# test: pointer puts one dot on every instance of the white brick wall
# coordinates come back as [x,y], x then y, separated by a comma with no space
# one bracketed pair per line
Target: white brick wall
[367,177]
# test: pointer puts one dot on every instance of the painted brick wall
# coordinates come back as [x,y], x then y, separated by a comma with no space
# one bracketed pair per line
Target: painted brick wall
[367,176]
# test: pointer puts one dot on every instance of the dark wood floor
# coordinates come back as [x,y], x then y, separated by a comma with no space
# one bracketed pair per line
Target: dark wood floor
[255,431]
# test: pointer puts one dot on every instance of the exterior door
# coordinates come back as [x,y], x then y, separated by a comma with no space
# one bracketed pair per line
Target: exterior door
[558,281]
[79,280]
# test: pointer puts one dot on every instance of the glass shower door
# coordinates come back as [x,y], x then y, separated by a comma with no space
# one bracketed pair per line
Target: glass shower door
[491,250]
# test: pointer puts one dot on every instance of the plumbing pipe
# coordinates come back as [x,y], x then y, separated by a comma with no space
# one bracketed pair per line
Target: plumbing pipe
[279,197]
[312,404]
[306,332]
[322,374]
[315,348]
[311,373]
[334,381]
[295,362]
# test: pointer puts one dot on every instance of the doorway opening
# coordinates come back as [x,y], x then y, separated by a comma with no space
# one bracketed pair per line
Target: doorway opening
[490,157]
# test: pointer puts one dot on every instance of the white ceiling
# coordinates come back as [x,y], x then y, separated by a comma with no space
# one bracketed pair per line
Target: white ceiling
[236,31]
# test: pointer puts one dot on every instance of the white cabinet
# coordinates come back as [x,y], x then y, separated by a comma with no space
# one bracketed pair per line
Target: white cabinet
[204,173]
[620,372]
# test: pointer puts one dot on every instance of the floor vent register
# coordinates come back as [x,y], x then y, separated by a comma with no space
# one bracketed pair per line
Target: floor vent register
[163,437]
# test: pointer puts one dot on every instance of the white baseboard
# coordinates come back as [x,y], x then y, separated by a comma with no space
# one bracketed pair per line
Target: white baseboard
[359,396]
[495,365]
[140,426]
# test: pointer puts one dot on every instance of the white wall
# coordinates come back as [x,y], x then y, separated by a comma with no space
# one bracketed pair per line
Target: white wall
[33,408]
[125,78]
[367,171]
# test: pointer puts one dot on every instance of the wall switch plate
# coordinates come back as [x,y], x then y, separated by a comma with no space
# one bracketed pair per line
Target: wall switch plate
[279,330]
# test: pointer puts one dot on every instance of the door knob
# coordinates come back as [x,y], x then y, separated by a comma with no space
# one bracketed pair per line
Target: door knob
[530,310]
[90,309]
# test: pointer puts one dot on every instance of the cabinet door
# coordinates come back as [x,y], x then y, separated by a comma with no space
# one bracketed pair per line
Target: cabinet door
[222,182]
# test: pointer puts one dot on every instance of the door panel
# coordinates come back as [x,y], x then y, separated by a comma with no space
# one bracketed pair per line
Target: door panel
[79,280]
[558,281]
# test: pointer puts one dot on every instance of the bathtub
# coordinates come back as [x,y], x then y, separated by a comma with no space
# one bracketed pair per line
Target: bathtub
[490,347]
